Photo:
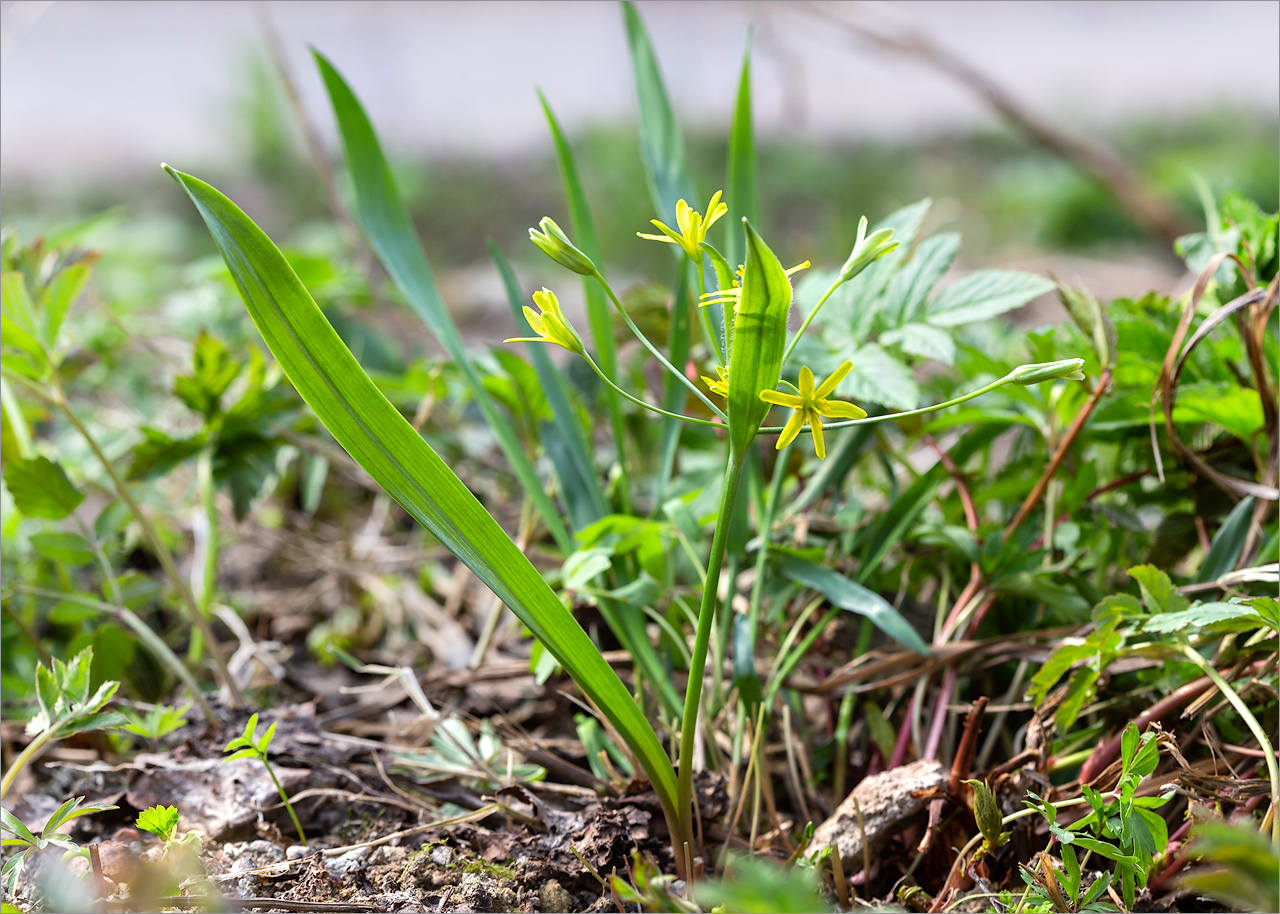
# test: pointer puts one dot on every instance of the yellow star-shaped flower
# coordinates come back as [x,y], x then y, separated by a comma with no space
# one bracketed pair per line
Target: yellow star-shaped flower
[693,228]
[551,325]
[812,404]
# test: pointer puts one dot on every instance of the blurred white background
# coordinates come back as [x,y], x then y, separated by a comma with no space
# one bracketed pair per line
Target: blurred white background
[112,88]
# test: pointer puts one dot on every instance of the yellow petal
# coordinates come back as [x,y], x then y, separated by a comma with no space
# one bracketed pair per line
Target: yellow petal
[819,446]
[840,409]
[528,339]
[656,238]
[682,216]
[833,380]
[789,432]
[790,401]
[806,382]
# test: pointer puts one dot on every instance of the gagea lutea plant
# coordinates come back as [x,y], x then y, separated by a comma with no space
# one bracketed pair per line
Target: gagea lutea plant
[744,319]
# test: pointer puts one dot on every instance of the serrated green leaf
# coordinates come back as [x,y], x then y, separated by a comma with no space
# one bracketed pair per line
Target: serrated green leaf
[911,284]
[63,548]
[1203,614]
[1158,593]
[922,340]
[984,294]
[362,420]
[40,488]
[878,377]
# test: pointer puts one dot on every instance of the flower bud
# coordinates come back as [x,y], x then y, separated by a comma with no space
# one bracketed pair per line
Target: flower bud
[1064,370]
[556,245]
[987,813]
[866,249]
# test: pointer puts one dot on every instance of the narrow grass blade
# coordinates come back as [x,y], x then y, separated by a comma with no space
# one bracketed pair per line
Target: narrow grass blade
[743,197]
[386,223]
[571,455]
[599,317]
[854,597]
[666,164]
[356,413]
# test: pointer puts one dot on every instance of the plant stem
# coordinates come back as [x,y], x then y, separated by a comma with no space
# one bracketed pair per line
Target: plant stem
[285,799]
[636,400]
[706,617]
[157,546]
[23,757]
[644,341]
[1273,773]
[871,420]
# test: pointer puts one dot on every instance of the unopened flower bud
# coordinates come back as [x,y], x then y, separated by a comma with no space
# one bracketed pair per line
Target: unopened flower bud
[1064,370]
[867,249]
[556,245]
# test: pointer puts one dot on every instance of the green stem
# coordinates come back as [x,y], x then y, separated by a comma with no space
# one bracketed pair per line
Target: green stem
[1251,722]
[786,354]
[871,420]
[706,618]
[158,547]
[636,400]
[644,341]
[284,798]
[23,757]
[766,526]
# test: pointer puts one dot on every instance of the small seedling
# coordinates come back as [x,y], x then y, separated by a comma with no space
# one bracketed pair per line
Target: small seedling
[160,721]
[30,844]
[249,745]
[162,821]
[66,706]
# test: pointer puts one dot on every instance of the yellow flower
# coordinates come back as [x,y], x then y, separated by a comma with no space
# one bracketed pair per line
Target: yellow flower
[693,229]
[721,386]
[732,294]
[551,325]
[811,404]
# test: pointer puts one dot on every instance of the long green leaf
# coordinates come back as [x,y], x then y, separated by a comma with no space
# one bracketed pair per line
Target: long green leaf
[362,420]
[599,317]
[854,597]
[386,223]
[1228,542]
[666,167]
[743,195]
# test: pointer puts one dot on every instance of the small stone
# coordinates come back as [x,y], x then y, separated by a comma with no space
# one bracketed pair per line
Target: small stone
[553,897]
[348,862]
[442,855]
[296,852]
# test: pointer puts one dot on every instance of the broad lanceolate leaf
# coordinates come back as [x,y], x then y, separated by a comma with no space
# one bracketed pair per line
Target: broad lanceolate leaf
[985,294]
[40,488]
[854,597]
[759,339]
[386,222]
[362,420]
